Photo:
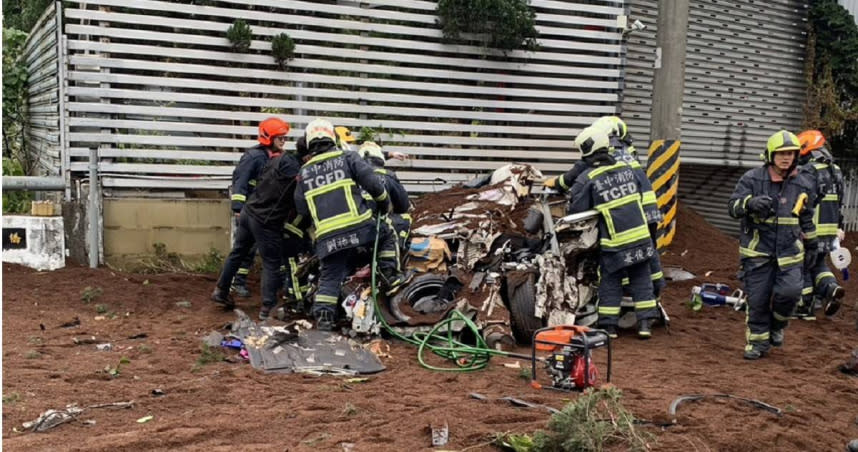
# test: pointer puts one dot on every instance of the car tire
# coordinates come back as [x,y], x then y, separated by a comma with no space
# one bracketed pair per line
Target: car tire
[522,306]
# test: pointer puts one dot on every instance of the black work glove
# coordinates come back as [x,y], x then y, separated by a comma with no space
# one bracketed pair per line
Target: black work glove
[760,205]
[382,208]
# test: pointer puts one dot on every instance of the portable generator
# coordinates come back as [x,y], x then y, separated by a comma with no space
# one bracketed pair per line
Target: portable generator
[569,361]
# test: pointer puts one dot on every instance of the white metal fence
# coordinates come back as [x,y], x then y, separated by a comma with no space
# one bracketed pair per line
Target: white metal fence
[155,87]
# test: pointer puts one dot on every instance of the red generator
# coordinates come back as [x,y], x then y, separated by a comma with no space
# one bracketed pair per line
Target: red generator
[569,361]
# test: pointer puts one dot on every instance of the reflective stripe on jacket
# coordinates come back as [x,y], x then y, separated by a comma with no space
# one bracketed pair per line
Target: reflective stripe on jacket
[329,192]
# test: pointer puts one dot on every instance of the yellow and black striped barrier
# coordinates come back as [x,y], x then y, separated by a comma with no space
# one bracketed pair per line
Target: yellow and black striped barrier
[663,171]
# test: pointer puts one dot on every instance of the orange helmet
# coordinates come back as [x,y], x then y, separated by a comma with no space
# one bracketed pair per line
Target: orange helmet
[810,140]
[270,128]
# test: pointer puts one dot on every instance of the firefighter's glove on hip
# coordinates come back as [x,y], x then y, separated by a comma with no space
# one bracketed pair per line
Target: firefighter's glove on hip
[761,206]
[550,183]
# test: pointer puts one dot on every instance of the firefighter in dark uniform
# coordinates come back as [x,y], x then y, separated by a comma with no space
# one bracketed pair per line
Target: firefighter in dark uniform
[261,222]
[244,180]
[816,160]
[774,203]
[611,187]
[400,219]
[329,193]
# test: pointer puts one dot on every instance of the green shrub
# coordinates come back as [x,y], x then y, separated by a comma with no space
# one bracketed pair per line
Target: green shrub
[595,421]
[501,24]
[239,35]
[283,49]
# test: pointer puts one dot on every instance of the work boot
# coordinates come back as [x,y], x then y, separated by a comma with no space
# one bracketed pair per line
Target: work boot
[804,311]
[756,350]
[396,281]
[325,319]
[265,312]
[833,303]
[240,290]
[223,298]
[645,329]
[776,337]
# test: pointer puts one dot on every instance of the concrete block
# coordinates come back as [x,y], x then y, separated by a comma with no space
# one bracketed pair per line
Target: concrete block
[36,242]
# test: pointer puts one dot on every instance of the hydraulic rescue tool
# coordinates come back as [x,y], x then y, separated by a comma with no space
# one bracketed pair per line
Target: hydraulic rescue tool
[569,362]
[717,295]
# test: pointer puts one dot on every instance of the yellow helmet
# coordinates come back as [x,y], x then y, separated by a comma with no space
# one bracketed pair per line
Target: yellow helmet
[612,125]
[781,141]
[592,139]
[371,149]
[344,135]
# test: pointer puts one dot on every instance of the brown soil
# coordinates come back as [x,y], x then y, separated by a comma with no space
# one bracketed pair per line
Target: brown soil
[231,406]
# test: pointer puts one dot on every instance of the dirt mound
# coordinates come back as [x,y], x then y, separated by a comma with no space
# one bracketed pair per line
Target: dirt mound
[701,248]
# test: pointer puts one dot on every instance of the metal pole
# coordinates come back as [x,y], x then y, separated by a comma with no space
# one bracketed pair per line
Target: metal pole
[93,207]
[45,183]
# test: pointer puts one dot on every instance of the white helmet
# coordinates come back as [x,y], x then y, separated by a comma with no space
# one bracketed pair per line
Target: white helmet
[592,139]
[319,129]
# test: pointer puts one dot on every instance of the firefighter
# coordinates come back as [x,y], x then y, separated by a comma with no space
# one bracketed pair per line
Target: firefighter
[399,220]
[611,187]
[256,220]
[775,204]
[816,160]
[623,149]
[329,193]
[244,180]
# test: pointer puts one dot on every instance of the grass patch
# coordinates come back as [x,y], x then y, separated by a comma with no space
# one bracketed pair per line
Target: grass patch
[101,308]
[525,373]
[12,397]
[208,355]
[35,341]
[90,294]
[33,354]
[595,421]
[145,349]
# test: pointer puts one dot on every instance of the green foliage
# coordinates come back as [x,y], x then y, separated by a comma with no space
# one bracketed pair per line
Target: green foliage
[832,76]
[208,355]
[595,421]
[513,442]
[501,24]
[14,103]
[15,201]
[114,371]
[210,263]
[101,308]
[283,49]
[239,35]
[89,294]
[11,398]
[23,14]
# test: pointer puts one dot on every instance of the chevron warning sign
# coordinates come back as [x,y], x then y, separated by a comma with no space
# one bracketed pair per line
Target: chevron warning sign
[663,171]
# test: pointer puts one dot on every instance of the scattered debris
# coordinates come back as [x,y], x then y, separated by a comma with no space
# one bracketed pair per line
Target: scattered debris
[139,336]
[85,340]
[106,347]
[158,392]
[379,348]
[678,274]
[515,402]
[357,380]
[850,367]
[213,339]
[347,447]
[183,304]
[71,324]
[232,343]
[513,365]
[145,419]
[695,397]
[52,418]
[440,435]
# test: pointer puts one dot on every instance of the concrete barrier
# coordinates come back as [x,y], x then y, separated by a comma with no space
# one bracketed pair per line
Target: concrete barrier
[36,242]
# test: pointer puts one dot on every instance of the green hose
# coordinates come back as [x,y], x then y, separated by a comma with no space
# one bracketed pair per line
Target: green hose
[467,358]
